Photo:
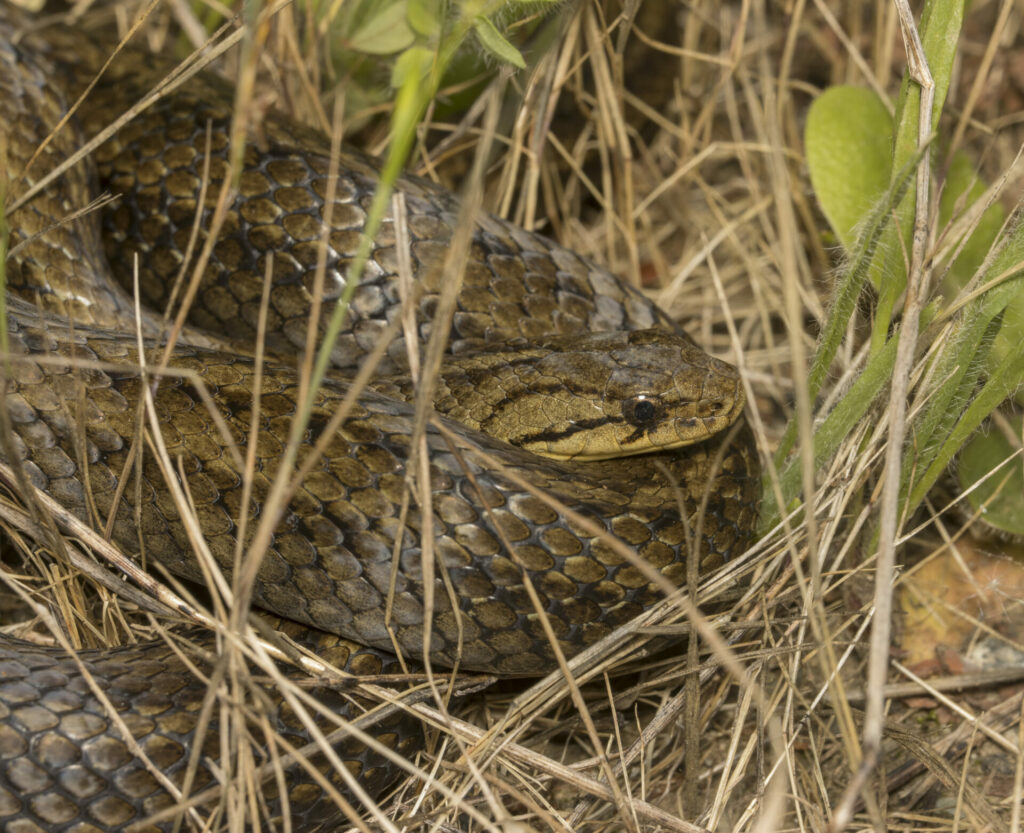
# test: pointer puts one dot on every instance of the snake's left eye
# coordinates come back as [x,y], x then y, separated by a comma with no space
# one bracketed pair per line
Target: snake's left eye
[641,410]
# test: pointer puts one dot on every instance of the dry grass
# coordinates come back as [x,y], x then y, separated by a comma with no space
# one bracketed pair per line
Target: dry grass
[674,156]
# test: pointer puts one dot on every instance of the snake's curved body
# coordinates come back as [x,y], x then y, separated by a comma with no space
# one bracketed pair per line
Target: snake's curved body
[352,538]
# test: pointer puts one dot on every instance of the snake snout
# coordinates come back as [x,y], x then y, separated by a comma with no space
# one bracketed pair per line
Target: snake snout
[724,400]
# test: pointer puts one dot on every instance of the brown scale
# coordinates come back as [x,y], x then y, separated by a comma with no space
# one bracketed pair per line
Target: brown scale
[329,563]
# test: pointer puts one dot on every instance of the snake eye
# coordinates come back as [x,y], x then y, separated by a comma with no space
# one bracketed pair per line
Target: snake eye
[640,410]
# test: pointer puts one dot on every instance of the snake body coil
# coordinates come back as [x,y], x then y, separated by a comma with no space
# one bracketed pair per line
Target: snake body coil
[347,555]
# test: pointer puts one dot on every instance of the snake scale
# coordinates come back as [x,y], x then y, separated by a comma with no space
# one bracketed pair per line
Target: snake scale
[352,536]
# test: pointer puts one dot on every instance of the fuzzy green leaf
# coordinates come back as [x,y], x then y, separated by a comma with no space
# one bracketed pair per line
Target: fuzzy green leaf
[1008,343]
[1005,370]
[496,44]
[961,189]
[848,289]
[939,30]
[1006,360]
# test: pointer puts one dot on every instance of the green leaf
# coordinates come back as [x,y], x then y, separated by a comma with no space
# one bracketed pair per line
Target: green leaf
[957,369]
[829,436]
[1006,298]
[961,190]
[848,138]
[425,16]
[939,28]
[981,406]
[495,43]
[1002,494]
[384,32]
[1009,340]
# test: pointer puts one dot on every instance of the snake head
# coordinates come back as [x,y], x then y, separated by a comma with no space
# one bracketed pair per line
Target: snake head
[637,392]
[595,396]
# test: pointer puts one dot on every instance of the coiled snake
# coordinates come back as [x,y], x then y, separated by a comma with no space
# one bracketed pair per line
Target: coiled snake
[347,554]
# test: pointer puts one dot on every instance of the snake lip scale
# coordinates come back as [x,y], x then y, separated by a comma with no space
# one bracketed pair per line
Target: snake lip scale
[542,342]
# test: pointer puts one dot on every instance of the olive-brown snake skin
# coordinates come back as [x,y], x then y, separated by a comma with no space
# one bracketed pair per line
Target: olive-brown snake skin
[70,408]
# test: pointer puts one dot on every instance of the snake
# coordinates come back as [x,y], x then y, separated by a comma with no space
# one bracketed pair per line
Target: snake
[571,413]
